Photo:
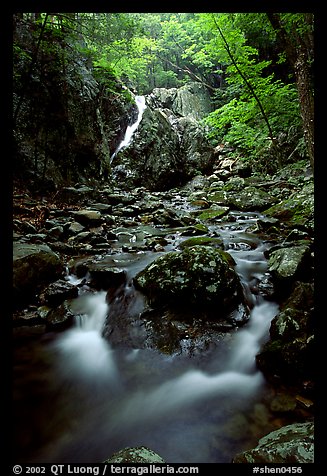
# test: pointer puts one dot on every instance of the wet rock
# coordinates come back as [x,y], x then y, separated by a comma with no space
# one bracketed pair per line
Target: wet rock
[290,353]
[213,213]
[297,210]
[198,276]
[202,241]
[75,228]
[28,317]
[139,454]
[290,444]
[88,218]
[58,292]
[288,264]
[247,199]
[101,274]
[60,318]
[191,100]
[168,149]
[34,266]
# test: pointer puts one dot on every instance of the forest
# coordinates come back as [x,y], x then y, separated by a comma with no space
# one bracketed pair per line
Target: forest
[163,238]
[257,67]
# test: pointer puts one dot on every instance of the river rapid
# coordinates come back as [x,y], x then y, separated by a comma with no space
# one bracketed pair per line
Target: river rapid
[78,399]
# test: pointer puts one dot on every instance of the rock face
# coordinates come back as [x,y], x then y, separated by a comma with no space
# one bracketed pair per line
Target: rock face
[289,444]
[198,276]
[191,100]
[169,146]
[67,123]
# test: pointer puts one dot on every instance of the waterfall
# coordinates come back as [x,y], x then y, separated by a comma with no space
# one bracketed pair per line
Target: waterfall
[85,353]
[141,106]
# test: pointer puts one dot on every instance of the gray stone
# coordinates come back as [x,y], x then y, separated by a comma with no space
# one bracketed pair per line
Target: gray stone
[88,217]
[286,263]
[139,454]
[290,444]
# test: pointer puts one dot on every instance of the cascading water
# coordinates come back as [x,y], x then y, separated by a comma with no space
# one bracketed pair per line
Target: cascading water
[141,106]
[179,407]
[83,352]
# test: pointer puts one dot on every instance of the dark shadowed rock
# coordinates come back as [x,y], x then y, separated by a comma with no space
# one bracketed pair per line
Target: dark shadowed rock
[58,292]
[33,267]
[290,353]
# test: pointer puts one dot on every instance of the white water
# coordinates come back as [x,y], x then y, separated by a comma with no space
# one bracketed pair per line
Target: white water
[150,402]
[176,405]
[141,106]
[83,351]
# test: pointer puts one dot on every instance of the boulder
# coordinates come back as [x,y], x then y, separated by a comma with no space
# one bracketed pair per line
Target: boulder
[34,266]
[140,454]
[297,211]
[292,444]
[289,264]
[57,292]
[290,353]
[247,199]
[200,276]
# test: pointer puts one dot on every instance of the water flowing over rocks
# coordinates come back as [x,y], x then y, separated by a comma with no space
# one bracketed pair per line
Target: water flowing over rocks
[170,144]
[176,272]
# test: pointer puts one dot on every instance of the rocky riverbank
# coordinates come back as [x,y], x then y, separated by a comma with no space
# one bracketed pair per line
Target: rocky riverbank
[95,234]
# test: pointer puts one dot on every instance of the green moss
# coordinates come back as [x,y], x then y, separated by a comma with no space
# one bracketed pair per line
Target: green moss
[213,213]
[296,210]
[201,240]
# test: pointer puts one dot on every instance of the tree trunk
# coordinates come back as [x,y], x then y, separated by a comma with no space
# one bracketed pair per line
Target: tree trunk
[306,102]
[298,51]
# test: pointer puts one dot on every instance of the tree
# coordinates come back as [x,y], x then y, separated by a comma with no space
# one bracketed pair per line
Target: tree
[295,34]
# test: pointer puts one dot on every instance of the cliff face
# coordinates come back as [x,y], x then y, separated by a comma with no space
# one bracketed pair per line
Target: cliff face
[69,118]
[170,145]
[66,123]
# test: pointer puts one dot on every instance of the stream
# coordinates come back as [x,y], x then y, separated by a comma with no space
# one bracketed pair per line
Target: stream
[82,399]
[78,398]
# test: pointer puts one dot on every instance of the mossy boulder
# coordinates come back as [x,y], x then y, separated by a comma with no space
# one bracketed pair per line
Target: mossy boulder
[202,241]
[250,198]
[213,213]
[289,444]
[199,276]
[289,264]
[297,211]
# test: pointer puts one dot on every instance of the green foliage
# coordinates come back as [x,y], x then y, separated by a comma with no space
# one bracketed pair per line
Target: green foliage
[237,54]
[240,120]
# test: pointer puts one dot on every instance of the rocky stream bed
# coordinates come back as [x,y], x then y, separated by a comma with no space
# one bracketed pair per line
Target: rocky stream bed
[132,309]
